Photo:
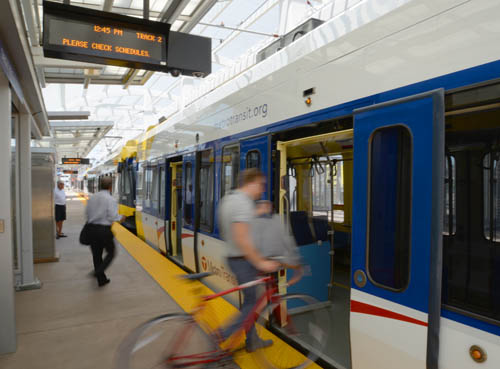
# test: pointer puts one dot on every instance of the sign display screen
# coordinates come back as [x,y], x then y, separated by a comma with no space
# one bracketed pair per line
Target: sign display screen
[82,34]
[75,161]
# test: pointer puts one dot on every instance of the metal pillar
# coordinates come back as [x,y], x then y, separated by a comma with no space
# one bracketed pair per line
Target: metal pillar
[28,279]
[7,315]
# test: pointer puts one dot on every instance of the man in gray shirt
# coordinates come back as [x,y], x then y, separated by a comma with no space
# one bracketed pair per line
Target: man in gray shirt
[236,213]
[102,211]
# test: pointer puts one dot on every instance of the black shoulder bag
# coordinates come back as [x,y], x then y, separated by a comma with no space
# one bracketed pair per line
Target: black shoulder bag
[85,235]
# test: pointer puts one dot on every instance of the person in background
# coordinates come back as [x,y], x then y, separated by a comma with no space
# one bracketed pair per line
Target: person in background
[60,201]
[272,239]
[236,214]
[102,211]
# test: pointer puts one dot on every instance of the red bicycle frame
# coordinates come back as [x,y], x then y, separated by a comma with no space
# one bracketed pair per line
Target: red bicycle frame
[216,355]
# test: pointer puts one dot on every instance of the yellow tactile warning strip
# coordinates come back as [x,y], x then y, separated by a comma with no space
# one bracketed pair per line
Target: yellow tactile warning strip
[83,198]
[166,273]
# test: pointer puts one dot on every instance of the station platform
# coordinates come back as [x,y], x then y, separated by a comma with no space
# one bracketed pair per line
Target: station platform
[72,323]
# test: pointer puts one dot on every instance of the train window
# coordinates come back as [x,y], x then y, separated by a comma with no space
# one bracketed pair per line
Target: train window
[126,177]
[322,188]
[491,196]
[139,190]
[230,169]
[449,216]
[206,173]
[120,184]
[155,193]
[390,207]
[162,191]
[253,159]
[292,189]
[188,195]
[148,177]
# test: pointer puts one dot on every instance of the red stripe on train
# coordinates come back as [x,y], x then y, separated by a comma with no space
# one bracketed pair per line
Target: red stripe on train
[362,308]
[186,235]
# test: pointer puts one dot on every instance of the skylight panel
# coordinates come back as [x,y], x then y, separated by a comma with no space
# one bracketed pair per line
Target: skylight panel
[268,23]
[157,5]
[136,4]
[122,3]
[191,7]
[114,70]
[177,25]
[240,45]
[237,11]
[94,2]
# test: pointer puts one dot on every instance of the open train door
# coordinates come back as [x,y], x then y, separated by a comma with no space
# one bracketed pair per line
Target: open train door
[188,211]
[397,233]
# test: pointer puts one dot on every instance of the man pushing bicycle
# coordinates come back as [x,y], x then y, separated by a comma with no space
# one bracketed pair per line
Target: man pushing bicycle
[239,226]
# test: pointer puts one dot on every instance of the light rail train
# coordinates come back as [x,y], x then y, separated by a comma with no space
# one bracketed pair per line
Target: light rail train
[379,133]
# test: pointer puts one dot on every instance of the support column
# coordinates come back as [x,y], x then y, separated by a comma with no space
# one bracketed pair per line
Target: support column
[28,279]
[7,315]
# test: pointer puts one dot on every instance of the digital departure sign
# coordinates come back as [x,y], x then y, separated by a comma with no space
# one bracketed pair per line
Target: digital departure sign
[88,35]
[75,161]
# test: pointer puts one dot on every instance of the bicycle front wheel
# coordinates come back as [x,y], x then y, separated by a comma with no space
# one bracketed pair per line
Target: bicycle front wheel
[300,321]
[167,341]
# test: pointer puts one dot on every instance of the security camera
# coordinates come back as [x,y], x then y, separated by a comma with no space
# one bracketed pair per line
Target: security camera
[175,72]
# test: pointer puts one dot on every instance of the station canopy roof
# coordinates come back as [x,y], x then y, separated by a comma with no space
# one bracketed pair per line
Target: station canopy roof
[136,99]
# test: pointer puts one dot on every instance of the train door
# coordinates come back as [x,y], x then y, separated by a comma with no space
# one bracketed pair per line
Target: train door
[188,211]
[151,204]
[397,233]
[315,176]
[175,249]
[207,249]
[163,222]
[254,153]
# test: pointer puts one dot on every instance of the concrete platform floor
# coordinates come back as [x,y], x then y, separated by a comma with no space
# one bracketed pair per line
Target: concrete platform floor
[70,323]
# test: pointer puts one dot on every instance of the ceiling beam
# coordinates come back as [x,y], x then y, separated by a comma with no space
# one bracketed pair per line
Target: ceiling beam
[72,79]
[67,115]
[129,77]
[86,83]
[171,10]
[145,9]
[108,5]
[81,124]
[114,9]
[42,61]
[68,140]
[29,17]
[203,8]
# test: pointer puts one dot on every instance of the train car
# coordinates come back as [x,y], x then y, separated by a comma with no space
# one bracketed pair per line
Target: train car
[121,166]
[379,134]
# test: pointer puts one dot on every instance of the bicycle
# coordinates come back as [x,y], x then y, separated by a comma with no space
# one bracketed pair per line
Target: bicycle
[186,340]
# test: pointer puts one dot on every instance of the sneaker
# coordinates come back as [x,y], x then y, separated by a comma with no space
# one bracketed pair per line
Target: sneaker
[62,235]
[253,345]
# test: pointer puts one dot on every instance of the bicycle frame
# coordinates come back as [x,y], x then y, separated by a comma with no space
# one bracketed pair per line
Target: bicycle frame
[270,295]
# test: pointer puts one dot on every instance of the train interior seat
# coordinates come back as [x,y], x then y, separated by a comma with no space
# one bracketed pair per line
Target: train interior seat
[299,222]
[320,225]
[311,235]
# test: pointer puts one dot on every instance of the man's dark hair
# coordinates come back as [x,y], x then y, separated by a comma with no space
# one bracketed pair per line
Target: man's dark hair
[106,183]
[250,175]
